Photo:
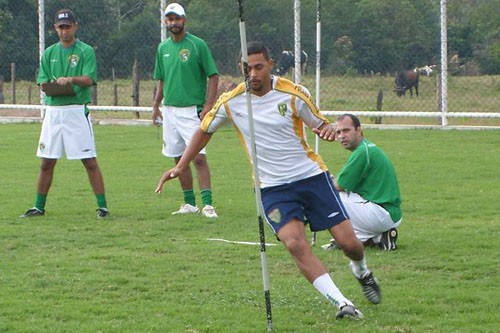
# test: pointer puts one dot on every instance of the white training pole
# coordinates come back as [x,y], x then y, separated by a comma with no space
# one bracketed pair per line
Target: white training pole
[298,51]
[318,76]
[318,63]
[258,200]
[444,65]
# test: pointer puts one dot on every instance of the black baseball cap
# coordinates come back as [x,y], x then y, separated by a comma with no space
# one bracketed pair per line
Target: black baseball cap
[64,17]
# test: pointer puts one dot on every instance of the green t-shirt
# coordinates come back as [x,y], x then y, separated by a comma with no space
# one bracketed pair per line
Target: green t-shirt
[76,60]
[371,174]
[184,67]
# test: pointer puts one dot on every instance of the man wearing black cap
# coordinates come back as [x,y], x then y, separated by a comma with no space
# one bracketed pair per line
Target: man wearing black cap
[183,64]
[68,70]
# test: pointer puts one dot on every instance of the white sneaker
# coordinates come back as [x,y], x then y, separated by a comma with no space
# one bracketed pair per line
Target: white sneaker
[187,209]
[330,246]
[209,211]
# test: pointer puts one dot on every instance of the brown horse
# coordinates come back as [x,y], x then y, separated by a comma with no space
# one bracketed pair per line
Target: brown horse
[406,80]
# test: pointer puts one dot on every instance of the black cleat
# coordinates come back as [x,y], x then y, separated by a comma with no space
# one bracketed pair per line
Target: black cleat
[370,288]
[102,213]
[33,212]
[349,311]
[389,240]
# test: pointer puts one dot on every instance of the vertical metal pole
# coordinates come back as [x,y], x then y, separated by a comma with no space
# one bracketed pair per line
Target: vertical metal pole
[41,44]
[298,50]
[163,26]
[318,63]
[255,169]
[318,86]
[163,36]
[444,65]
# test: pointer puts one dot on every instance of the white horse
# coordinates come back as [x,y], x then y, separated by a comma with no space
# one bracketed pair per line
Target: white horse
[425,70]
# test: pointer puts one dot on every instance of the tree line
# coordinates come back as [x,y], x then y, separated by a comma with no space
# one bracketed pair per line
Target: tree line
[358,36]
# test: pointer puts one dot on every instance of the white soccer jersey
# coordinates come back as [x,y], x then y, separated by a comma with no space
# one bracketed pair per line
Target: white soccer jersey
[283,155]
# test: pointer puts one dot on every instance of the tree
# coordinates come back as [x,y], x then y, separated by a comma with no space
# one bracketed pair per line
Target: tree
[16,45]
[269,22]
[485,42]
[389,35]
[358,36]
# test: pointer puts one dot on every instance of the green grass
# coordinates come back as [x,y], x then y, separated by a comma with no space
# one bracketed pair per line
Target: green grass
[144,270]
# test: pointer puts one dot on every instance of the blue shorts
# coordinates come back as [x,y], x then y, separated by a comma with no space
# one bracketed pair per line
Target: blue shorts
[312,200]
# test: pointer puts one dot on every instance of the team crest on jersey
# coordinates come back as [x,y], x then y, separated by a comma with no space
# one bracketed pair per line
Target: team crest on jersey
[73,60]
[282,108]
[275,215]
[184,55]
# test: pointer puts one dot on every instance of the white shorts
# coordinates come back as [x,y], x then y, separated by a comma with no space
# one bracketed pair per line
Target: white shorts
[368,219]
[179,125]
[66,129]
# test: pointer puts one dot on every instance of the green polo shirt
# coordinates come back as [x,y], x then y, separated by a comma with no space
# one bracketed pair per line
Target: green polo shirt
[76,60]
[371,174]
[184,67]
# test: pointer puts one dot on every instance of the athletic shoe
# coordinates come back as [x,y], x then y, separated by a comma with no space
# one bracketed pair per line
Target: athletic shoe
[209,211]
[331,246]
[370,288]
[389,240]
[33,212]
[187,209]
[349,311]
[313,238]
[102,213]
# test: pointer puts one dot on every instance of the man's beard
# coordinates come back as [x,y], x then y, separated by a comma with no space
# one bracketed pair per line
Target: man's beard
[256,86]
[176,29]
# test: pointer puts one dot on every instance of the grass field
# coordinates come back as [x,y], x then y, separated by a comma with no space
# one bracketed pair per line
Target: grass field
[144,270]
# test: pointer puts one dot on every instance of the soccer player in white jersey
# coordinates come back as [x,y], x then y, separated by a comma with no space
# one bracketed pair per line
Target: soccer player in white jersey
[295,184]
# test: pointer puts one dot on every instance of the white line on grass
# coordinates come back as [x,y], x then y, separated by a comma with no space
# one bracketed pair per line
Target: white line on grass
[237,242]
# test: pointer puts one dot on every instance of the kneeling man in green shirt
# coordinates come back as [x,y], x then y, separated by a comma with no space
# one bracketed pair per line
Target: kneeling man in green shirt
[368,187]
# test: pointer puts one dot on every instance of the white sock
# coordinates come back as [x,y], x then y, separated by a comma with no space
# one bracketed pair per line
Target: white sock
[325,285]
[359,268]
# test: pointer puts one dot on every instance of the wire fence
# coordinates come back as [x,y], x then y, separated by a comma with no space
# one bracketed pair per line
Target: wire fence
[125,35]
